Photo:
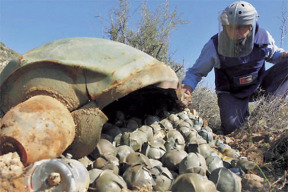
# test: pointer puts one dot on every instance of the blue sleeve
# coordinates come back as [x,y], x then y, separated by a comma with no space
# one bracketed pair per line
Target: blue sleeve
[203,65]
[274,53]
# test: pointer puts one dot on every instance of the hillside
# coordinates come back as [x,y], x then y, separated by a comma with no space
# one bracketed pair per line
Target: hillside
[6,54]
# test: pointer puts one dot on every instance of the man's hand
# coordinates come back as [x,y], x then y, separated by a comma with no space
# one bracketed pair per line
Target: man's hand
[187,93]
[285,55]
[187,89]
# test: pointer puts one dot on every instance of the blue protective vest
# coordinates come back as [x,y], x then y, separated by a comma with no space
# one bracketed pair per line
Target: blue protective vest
[241,76]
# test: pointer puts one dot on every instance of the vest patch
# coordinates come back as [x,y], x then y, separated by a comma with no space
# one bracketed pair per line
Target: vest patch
[246,80]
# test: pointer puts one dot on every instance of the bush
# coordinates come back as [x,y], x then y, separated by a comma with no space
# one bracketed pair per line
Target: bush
[268,114]
[204,100]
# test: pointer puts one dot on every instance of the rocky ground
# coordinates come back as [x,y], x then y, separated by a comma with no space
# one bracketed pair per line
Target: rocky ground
[269,151]
[11,171]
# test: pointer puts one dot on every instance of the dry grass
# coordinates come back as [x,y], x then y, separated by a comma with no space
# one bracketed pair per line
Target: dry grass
[266,114]
[204,101]
[270,117]
[269,114]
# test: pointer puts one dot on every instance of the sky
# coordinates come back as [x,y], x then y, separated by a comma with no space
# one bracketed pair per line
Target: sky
[27,24]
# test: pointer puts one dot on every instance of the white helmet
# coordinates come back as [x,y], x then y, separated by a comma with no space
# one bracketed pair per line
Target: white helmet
[239,13]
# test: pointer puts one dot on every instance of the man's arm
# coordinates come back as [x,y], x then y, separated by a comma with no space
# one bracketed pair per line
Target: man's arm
[203,65]
[274,53]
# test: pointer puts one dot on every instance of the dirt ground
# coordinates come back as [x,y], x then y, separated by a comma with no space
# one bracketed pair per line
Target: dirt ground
[11,171]
[270,153]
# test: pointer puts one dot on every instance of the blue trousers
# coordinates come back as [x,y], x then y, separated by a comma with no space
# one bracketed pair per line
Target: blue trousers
[235,111]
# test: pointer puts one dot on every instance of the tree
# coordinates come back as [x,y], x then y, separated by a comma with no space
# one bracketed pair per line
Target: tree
[283,27]
[152,33]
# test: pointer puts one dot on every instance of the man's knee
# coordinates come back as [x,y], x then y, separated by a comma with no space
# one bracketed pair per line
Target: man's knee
[231,124]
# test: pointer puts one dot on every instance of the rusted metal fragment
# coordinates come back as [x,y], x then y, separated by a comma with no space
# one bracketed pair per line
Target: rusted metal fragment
[89,121]
[39,128]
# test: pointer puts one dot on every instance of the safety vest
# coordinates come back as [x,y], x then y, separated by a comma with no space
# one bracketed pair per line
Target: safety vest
[241,76]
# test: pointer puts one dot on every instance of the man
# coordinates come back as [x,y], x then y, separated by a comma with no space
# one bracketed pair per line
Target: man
[238,54]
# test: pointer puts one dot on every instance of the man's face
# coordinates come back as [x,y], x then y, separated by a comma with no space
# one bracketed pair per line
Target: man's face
[237,32]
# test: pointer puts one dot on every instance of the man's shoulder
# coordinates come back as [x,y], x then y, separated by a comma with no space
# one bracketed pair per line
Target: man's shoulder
[215,36]
[262,36]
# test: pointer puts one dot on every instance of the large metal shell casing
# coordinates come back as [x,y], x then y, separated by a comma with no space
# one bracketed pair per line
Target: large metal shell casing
[39,128]
[77,70]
